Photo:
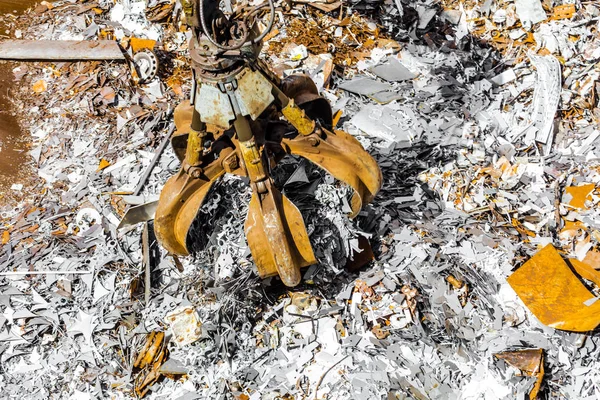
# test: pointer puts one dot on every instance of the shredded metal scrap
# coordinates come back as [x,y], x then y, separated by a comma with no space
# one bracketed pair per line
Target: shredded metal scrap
[466,202]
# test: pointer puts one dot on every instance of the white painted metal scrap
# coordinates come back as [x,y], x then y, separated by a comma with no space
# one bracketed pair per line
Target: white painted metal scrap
[185,325]
[60,50]
[546,97]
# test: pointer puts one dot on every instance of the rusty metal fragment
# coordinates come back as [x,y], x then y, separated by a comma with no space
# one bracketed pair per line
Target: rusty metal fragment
[152,348]
[564,11]
[553,291]
[60,50]
[530,362]
[149,361]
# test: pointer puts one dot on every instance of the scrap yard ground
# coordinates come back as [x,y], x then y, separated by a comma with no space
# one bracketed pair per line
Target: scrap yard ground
[483,278]
[13,163]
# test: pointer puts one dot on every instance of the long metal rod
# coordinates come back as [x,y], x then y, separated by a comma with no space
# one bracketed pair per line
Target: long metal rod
[44,272]
[154,160]
[147,209]
[60,50]
[146,262]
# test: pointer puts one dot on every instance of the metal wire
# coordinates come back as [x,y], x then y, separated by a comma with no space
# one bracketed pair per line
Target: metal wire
[243,41]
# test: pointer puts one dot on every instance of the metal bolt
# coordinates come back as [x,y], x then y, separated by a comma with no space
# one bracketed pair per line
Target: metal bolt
[313,141]
[196,173]
[230,164]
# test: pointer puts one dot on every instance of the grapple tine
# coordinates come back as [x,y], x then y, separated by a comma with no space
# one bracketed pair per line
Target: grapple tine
[180,200]
[277,236]
[184,194]
[340,154]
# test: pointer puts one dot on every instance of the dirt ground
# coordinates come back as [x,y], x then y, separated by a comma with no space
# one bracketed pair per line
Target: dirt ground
[13,149]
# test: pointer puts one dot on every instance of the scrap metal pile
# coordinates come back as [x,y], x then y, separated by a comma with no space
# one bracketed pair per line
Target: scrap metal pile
[472,274]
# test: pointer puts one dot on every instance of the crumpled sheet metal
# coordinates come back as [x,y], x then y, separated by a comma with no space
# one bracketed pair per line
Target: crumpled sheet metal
[530,362]
[554,293]
[546,98]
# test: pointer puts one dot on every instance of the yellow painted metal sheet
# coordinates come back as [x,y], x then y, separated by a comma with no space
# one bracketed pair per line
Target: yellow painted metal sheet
[555,294]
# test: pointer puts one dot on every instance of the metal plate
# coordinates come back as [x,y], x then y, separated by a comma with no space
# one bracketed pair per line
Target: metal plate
[253,93]
[185,325]
[214,106]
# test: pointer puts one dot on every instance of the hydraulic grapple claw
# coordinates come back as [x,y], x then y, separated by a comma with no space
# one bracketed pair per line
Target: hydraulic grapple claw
[235,92]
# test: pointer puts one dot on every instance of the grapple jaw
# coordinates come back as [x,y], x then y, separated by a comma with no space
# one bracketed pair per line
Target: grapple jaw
[180,200]
[344,158]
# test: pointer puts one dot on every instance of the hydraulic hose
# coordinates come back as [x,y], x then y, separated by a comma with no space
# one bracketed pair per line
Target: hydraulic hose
[242,42]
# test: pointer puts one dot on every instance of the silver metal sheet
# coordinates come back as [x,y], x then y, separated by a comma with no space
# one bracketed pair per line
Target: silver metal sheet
[137,214]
